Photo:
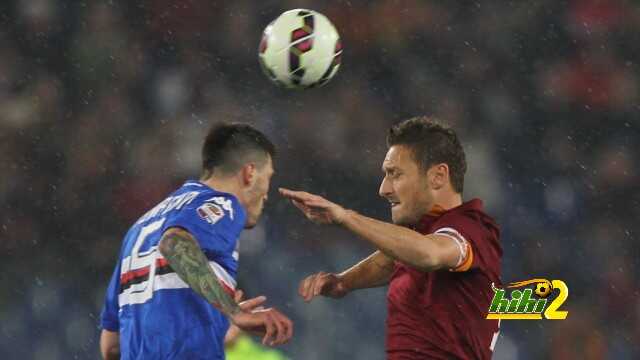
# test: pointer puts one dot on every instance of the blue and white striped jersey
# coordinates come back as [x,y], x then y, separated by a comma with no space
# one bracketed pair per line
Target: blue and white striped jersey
[157,315]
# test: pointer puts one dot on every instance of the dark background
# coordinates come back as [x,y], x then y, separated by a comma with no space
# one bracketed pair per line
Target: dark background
[103,107]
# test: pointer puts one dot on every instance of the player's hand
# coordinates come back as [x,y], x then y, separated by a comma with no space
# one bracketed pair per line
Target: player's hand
[270,323]
[251,304]
[324,284]
[315,207]
[234,332]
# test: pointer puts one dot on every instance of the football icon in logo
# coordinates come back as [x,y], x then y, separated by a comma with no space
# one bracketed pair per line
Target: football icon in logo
[543,289]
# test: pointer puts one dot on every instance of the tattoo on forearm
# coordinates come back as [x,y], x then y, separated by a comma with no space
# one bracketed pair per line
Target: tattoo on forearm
[187,259]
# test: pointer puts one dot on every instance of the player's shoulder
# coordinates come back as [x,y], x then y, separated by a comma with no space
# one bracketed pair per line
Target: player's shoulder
[469,223]
[214,206]
[468,217]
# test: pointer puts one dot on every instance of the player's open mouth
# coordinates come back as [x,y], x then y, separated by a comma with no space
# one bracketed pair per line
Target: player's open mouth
[394,203]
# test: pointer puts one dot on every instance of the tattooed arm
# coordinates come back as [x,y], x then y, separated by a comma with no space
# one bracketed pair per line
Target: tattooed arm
[186,258]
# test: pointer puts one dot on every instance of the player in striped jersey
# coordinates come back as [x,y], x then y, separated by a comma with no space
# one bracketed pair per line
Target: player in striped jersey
[171,295]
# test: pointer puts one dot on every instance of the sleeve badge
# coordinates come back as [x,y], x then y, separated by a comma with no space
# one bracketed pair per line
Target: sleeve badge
[210,213]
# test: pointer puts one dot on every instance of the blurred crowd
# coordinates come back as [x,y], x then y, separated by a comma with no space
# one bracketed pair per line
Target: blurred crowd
[104,105]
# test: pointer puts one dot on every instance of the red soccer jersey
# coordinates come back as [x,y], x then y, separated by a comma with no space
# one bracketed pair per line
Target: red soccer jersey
[442,314]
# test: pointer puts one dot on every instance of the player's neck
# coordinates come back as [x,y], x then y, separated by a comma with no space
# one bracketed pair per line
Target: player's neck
[449,201]
[228,185]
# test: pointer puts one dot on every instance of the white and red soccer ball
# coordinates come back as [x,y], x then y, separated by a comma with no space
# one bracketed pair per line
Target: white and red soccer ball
[300,49]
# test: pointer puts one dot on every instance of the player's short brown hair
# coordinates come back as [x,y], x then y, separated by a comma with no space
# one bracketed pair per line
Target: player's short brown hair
[228,146]
[431,143]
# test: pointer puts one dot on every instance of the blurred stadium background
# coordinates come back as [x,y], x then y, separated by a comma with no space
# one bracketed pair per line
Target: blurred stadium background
[103,106]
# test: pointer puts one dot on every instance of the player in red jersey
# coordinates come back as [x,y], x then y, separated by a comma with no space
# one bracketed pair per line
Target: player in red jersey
[439,257]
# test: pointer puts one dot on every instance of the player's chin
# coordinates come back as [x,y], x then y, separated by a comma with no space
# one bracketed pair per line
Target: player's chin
[250,224]
[253,215]
[252,220]
[398,217]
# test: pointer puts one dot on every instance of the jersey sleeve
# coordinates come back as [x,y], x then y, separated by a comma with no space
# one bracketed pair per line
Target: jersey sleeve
[215,221]
[109,315]
[465,250]
[472,240]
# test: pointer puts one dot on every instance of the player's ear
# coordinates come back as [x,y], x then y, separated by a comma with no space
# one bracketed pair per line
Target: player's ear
[248,174]
[438,176]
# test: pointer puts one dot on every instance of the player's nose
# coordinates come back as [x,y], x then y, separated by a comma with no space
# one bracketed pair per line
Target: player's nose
[385,188]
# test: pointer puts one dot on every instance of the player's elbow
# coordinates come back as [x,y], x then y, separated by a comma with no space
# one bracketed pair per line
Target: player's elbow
[111,353]
[428,260]
[437,253]
[110,345]
[426,264]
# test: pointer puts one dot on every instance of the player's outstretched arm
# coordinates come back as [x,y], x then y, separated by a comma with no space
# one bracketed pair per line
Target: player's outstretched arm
[186,258]
[424,252]
[374,271]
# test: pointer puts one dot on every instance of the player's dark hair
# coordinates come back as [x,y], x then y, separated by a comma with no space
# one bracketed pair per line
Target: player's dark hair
[431,143]
[228,147]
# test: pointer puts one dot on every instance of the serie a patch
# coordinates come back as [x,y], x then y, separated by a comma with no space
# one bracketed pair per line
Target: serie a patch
[210,212]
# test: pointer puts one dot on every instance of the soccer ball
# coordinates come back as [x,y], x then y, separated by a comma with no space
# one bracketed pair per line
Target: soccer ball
[543,289]
[300,49]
